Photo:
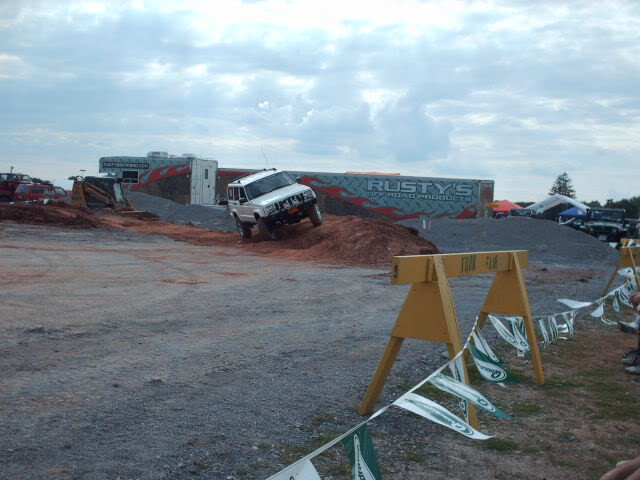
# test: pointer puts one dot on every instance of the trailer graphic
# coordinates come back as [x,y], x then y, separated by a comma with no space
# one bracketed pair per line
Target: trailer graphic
[392,196]
[184,179]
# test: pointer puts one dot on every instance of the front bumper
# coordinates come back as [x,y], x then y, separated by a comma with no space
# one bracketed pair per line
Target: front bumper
[606,235]
[291,215]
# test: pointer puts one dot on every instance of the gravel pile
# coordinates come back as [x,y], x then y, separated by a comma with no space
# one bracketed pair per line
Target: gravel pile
[212,218]
[546,241]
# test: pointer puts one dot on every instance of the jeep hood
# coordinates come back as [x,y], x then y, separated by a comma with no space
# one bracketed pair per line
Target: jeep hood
[280,194]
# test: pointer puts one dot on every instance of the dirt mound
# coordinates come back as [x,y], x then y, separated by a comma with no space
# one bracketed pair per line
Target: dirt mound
[52,215]
[354,240]
[340,240]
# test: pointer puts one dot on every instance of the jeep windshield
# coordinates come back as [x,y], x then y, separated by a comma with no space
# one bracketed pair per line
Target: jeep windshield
[605,216]
[268,184]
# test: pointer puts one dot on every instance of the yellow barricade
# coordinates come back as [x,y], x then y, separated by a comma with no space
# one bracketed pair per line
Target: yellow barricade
[429,313]
[629,258]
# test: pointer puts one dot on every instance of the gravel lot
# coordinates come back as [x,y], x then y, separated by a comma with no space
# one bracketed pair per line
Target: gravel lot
[132,356]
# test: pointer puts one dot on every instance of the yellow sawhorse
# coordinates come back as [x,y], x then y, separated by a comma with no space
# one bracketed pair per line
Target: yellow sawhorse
[429,313]
[629,258]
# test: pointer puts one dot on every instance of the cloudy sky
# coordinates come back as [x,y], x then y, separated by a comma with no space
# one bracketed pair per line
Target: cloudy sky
[514,91]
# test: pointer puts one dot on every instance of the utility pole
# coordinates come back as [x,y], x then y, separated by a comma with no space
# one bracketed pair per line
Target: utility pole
[11,170]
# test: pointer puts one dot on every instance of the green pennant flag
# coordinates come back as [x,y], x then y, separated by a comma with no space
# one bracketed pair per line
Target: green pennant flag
[489,370]
[359,446]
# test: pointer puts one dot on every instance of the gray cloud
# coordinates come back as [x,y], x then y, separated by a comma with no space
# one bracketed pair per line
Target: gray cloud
[491,96]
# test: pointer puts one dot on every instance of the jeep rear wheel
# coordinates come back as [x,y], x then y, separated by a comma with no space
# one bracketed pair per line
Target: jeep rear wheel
[266,232]
[244,229]
[315,216]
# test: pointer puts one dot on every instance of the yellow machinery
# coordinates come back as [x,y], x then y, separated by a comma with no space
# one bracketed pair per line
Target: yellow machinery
[103,192]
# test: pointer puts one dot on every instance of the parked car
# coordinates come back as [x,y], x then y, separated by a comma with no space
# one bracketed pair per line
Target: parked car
[29,192]
[8,184]
[606,224]
[522,212]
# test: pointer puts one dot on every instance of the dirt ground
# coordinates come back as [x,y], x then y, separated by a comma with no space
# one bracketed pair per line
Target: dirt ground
[136,356]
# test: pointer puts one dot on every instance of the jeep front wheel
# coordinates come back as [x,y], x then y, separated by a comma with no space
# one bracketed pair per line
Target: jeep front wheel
[266,232]
[244,229]
[315,216]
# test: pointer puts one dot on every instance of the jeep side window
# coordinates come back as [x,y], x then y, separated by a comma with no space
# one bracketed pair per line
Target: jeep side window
[241,194]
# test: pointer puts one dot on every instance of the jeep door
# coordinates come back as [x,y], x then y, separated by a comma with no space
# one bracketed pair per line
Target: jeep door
[245,209]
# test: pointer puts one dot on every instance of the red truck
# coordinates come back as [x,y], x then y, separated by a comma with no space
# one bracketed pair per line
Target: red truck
[9,182]
[29,192]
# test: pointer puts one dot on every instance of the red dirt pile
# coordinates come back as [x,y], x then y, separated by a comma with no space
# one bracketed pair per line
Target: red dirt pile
[50,215]
[346,240]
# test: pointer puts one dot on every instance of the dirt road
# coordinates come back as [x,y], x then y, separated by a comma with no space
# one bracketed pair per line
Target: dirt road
[133,356]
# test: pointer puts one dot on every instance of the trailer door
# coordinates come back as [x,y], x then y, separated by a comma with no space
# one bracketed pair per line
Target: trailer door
[203,181]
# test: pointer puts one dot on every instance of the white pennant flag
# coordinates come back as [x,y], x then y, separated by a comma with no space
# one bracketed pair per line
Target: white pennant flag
[482,345]
[543,330]
[298,471]
[569,318]
[437,413]
[598,312]
[503,331]
[574,304]
[557,327]
[456,367]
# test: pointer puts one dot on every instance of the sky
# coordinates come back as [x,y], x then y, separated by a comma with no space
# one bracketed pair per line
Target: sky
[512,91]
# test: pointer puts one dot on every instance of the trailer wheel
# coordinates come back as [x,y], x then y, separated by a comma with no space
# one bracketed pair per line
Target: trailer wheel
[315,216]
[244,229]
[266,232]
[4,199]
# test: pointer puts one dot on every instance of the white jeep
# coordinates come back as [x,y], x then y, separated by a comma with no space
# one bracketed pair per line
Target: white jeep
[270,199]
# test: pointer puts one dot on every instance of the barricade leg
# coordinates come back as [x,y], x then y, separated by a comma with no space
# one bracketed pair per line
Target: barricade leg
[381,375]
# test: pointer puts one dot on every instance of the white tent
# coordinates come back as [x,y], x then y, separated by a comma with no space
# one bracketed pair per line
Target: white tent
[554,200]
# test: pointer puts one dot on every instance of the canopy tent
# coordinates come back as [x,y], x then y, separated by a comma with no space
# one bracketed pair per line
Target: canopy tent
[503,206]
[554,200]
[573,212]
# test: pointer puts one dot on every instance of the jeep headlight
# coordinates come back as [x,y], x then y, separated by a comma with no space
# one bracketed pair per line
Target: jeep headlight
[270,209]
[308,193]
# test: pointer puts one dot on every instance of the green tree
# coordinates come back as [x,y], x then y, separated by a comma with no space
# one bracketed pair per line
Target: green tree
[563,186]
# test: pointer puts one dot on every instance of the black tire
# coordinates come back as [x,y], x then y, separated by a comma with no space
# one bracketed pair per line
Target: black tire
[244,229]
[266,232]
[4,199]
[315,216]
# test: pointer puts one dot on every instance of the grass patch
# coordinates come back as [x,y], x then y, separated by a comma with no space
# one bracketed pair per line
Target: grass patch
[558,383]
[602,372]
[525,409]
[563,462]
[518,375]
[433,393]
[501,445]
